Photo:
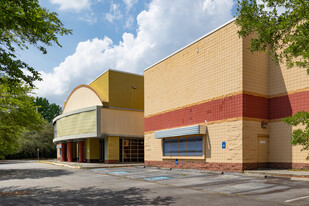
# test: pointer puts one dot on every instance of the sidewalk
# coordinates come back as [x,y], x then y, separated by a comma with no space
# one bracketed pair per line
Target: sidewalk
[76,165]
[297,175]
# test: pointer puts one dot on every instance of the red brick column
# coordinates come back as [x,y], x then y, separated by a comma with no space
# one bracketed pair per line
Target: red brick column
[63,152]
[80,151]
[70,151]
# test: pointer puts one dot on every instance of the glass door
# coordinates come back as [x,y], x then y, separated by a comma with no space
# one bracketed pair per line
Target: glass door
[131,150]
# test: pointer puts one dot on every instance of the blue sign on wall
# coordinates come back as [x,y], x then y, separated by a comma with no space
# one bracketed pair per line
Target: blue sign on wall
[223,145]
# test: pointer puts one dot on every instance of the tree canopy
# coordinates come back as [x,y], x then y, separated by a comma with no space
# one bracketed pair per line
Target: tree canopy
[33,139]
[24,23]
[281,29]
[47,110]
[17,114]
[300,136]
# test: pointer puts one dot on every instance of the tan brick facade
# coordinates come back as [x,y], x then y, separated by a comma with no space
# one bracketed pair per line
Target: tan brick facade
[284,81]
[240,96]
[193,74]
[255,71]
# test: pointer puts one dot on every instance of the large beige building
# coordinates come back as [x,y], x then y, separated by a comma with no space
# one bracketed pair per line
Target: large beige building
[215,105]
[103,121]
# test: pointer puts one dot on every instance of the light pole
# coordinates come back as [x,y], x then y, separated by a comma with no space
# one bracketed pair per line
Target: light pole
[38,152]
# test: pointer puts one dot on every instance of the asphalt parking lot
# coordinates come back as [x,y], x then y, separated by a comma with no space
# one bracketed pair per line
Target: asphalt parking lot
[31,183]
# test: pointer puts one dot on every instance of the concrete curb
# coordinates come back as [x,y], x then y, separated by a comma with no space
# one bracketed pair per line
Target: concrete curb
[116,166]
[296,177]
[59,164]
[254,174]
[300,179]
[84,167]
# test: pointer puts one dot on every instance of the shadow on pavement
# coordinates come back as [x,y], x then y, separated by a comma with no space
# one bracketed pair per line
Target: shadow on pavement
[84,196]
[9,174]
[13,161]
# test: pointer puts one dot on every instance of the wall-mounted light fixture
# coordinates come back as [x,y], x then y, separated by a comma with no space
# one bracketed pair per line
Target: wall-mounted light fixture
[264,124]
[133,87]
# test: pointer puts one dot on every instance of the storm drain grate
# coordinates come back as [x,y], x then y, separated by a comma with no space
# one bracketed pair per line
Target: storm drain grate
[156,178]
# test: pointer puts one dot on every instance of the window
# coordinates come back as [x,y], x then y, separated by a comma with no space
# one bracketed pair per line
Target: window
[183,146]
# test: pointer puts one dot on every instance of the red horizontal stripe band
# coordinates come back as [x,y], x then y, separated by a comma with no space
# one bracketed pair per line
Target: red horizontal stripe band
[288,105]
[241,105]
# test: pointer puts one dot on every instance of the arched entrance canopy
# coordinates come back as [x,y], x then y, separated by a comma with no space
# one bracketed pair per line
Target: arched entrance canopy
[82,96]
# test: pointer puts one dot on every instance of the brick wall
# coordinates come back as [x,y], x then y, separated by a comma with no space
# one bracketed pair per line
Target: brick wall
[219,80]
[191,75]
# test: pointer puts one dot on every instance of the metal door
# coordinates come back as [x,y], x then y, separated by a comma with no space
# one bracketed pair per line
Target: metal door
[262,149]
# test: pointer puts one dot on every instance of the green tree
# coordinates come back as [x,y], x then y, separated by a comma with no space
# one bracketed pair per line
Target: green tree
[47,110]
[24,23]
[31,140]
[17,113]
[283,35]
[300,136]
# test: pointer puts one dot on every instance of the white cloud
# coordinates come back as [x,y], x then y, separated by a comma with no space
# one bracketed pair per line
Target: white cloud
[114,13]
[129,4]
[89,18]
[72,5]
[163,28]
[129,22]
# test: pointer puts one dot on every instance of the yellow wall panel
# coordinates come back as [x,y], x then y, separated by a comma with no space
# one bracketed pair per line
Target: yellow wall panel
[112,148]
[120,89]
[92,146]
[122,122]
[101,86]
[87,148]
[126,90]
[81,123]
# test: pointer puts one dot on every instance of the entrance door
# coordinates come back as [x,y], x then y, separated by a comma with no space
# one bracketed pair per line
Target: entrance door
[126,150]
[131,150]
[262,149]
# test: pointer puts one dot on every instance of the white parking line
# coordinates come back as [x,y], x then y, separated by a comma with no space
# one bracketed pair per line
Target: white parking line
[299,198]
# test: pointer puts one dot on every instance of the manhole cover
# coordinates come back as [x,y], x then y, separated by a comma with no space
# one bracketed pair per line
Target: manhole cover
[156,178]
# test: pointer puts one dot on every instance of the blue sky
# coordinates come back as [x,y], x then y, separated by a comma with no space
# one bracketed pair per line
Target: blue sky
[127,35]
